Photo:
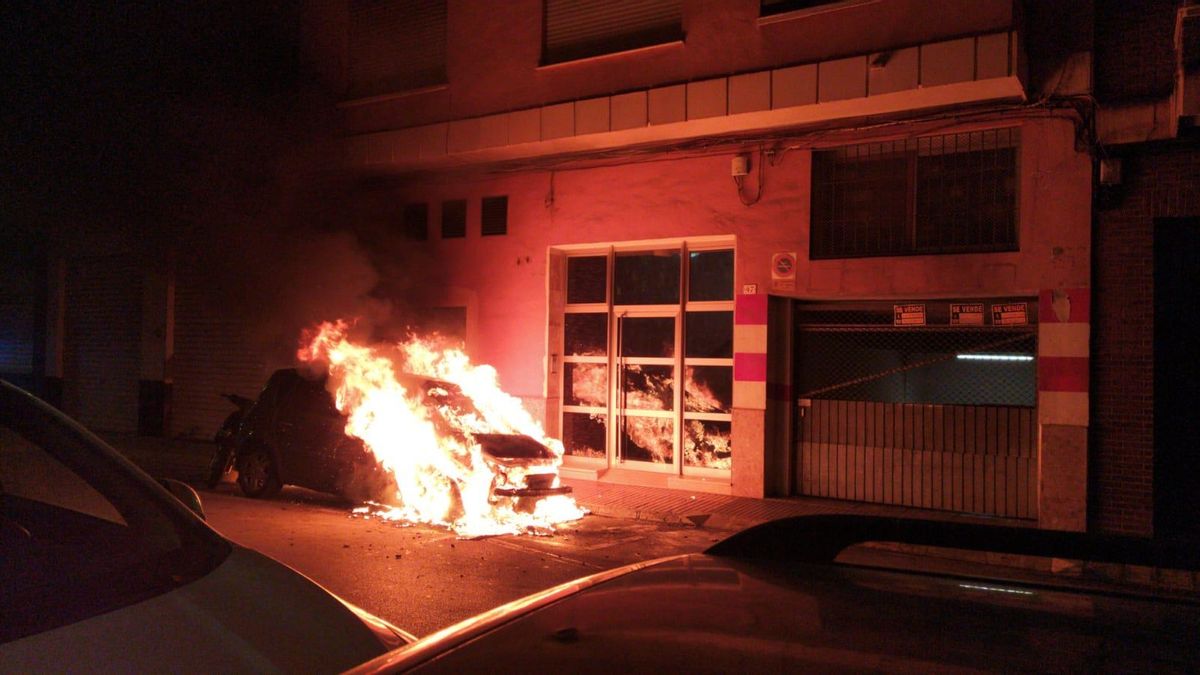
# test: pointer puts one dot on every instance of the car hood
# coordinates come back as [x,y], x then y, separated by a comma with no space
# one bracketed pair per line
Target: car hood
[702,613]
[250,614]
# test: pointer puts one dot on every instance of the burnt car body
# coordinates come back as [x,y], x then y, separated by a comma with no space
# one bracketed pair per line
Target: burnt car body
[293,434]
[789,596]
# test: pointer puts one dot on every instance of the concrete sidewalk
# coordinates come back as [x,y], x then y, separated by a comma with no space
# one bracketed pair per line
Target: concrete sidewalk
[724,512]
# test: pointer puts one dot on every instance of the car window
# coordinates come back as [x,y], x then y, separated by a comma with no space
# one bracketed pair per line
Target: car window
[29,473]
[81,533]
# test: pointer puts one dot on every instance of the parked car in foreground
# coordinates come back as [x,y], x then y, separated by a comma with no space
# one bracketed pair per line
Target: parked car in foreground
[102,569]
[778,598]
[293,434]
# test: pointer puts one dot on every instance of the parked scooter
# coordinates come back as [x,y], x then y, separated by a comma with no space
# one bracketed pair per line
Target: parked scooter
[225,456]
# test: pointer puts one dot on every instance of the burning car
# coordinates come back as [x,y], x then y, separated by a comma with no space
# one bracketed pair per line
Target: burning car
[295,434]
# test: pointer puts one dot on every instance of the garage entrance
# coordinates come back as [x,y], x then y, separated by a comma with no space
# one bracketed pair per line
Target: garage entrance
[928,404]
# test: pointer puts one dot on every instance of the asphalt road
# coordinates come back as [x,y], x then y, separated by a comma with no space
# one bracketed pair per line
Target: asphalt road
[424,578]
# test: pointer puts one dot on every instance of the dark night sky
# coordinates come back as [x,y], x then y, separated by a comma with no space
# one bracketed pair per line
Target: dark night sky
[192,127]
[120,112]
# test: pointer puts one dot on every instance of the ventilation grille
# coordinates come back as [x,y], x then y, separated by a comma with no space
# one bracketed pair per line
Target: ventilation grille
[454,218]
[416,221]
[495,215]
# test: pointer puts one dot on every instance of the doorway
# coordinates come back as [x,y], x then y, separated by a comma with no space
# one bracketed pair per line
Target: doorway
[647,345]
[1176,429]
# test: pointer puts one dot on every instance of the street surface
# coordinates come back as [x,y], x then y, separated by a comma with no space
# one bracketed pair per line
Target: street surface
[423,578]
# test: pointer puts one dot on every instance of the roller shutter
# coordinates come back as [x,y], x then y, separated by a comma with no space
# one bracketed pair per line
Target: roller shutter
[101,339]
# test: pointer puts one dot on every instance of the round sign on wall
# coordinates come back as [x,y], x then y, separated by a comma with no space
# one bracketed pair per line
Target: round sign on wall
[783,266]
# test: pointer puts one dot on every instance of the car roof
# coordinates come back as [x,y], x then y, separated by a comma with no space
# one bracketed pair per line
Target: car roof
[735,608]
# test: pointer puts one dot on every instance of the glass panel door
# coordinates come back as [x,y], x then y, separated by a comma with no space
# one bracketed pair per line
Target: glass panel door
[647,396]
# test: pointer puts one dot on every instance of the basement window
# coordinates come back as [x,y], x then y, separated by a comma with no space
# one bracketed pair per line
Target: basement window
[955,193]
[579,29]
[494,216]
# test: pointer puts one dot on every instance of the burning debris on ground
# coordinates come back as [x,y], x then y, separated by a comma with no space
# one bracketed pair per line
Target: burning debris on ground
[462,453]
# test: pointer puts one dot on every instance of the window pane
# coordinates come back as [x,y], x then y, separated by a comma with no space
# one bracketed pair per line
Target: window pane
[648,439]
[708,389]
[710,275]
[709,335]
[586,334]
[648,387]
[587,279]
[648,336]
[577,30]
[586,384]
[707,444]
[650,278]
[584,434]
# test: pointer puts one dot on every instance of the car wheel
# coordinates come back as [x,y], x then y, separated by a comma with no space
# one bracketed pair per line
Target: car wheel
[219,465]
[257,474]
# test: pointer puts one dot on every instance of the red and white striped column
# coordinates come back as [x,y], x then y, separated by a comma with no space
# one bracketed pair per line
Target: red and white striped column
[1064,326]
[750,352]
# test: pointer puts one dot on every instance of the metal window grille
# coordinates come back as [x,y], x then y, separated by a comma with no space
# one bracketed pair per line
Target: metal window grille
[494,215]
[939,194]
[396,45]
[577,29]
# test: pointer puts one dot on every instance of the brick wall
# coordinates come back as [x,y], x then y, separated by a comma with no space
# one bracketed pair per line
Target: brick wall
[1158,182]
[1135,55]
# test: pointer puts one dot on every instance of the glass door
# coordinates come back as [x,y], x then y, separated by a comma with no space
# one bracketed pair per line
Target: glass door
[647,378]
[646,405]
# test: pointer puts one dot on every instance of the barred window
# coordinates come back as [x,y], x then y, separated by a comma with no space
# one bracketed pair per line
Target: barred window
[396,45]
[578,29]
[955,193]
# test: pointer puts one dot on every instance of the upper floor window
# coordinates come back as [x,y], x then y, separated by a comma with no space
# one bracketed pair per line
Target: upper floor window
[396,45]
[938,194]
[772,7]
[577,29]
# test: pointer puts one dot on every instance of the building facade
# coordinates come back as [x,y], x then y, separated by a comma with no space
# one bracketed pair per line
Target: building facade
[836,249]
[893,251]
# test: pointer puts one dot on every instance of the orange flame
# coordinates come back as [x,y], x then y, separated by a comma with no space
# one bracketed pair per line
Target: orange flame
[427,443]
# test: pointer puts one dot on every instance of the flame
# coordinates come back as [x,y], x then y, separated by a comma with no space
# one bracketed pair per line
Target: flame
[589,383]
[425,439]
[703,445]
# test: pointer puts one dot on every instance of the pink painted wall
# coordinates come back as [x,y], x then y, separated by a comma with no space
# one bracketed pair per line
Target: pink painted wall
[505,276]
[492,65]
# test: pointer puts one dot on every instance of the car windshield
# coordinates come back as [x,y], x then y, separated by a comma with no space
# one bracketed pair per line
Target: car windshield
[80,533]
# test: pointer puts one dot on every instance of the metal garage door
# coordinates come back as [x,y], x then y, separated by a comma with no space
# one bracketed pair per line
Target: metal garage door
[934,415]
[101,342]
